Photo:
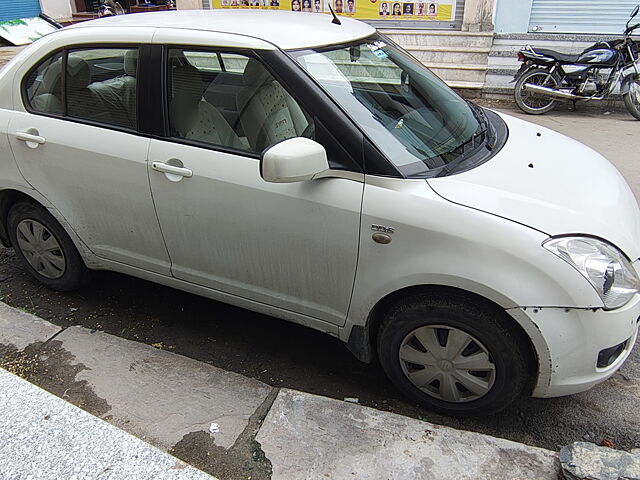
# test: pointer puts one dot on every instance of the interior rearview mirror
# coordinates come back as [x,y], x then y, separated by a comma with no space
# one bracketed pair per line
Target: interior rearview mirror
[294,160]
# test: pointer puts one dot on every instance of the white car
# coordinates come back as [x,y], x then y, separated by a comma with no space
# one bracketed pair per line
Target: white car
[308,168]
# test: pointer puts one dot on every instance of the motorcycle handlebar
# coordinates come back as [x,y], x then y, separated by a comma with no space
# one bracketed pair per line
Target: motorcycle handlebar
[631,29]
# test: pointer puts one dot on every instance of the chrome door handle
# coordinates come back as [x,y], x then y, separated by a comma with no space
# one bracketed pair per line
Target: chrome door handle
[172,170]
[30,138]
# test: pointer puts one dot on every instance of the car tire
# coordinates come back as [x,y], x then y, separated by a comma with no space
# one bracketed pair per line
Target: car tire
[496,348]
[45,248]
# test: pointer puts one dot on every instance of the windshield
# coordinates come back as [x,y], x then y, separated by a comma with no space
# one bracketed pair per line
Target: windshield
[411,115]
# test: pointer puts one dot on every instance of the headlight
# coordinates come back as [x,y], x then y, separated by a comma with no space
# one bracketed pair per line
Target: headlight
[606,268]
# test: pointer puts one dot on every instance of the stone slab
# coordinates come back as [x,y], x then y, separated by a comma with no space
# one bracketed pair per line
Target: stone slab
[587,461]
[310,437]
[46,438]
[160,396]
[21,329]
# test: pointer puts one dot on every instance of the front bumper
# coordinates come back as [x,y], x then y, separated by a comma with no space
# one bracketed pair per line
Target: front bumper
[571,340]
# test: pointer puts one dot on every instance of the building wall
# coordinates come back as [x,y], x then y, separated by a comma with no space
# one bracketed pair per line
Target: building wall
[56,9]
[512,16]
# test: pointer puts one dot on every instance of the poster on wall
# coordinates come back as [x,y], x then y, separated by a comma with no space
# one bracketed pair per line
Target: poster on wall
[443,10]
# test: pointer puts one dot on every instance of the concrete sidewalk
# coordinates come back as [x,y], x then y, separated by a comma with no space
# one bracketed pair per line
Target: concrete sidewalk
[171,402]
[44,437]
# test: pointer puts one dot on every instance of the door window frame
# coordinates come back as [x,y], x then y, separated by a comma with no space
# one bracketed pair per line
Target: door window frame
[338,129]
[63,81]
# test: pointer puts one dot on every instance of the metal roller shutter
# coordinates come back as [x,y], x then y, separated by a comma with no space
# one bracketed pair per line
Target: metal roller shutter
[12,9]
[580,16]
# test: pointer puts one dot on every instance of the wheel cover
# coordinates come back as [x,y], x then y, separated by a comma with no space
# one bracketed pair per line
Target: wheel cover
[41,249]
[535,100]
[447,363]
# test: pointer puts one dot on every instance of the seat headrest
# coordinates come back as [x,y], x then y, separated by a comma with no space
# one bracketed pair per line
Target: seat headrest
[255,73]
[78,73]
[186,82]
[131,62]
[51,78]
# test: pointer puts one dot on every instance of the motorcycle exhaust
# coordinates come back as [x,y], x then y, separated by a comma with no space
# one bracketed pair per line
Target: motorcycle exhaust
[557,93]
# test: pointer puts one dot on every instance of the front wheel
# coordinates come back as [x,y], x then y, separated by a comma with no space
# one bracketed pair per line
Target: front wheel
[454,356]
[531,102]
[632,99]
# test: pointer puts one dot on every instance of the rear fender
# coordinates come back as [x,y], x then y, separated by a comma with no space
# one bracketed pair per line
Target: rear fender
[523,68]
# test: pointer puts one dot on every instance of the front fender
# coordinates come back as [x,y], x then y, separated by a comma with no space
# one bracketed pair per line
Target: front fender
[627,80]
[439,243]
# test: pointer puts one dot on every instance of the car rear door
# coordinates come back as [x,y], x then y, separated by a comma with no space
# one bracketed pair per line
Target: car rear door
[293,246]
[75,137]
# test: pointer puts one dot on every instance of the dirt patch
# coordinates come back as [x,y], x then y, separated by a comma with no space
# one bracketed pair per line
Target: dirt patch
[51,367]
[199,449]
[244,460]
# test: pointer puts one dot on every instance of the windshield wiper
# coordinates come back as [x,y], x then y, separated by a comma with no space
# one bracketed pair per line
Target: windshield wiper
[485,129]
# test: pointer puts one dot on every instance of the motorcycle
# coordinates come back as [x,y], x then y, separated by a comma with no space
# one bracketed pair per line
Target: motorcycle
[546,75]
[109,8]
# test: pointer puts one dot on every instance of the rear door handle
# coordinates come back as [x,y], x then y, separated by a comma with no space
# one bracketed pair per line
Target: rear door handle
[31,139]
[172,170]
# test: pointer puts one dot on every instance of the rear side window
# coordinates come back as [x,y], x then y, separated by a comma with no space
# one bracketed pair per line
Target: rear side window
[97,84]
[44,86]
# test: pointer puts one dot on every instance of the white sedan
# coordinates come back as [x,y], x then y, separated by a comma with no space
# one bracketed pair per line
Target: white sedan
[312,170]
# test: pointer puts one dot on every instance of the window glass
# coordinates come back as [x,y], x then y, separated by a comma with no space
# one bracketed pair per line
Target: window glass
[101,85]
[410,114]
[230,100]
[44,86]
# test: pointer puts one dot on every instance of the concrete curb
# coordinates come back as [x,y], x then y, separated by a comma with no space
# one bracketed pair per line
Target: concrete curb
[306,436]
[171,401]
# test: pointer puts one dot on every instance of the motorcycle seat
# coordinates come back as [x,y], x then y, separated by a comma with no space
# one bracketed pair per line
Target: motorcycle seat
[547,52]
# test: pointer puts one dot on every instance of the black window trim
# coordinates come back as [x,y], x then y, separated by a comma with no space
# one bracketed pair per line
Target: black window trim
[64,116]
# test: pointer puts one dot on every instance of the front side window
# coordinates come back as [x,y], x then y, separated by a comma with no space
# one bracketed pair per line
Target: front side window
[97,84]
[230,100]
[417,121]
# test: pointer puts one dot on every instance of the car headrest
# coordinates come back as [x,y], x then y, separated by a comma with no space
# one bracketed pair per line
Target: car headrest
[255,73]
[78,74]
[51,78]
[186,82]
[131,62]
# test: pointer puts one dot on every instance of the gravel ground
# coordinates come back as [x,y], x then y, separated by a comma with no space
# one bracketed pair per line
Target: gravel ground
[287,355]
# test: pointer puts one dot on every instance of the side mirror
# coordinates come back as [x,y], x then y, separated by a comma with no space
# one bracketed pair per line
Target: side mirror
[635,11]
[294,160]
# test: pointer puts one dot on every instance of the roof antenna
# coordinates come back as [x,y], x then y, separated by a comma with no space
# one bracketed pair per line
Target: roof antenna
[335,20]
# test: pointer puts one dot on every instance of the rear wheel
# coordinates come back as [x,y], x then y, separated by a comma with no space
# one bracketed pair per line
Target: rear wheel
[453,356]
[45,248]
[531,102]
[632,99]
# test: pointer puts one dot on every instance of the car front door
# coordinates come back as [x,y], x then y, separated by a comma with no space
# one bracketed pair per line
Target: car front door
[293,246]
[75,137]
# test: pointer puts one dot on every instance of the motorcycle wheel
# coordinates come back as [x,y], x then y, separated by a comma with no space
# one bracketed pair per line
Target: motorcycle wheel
[535,103]
[632,99]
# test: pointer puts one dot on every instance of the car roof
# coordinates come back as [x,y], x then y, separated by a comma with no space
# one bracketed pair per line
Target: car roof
[285,30]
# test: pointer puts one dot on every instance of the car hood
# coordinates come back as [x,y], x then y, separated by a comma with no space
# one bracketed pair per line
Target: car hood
[551,183]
